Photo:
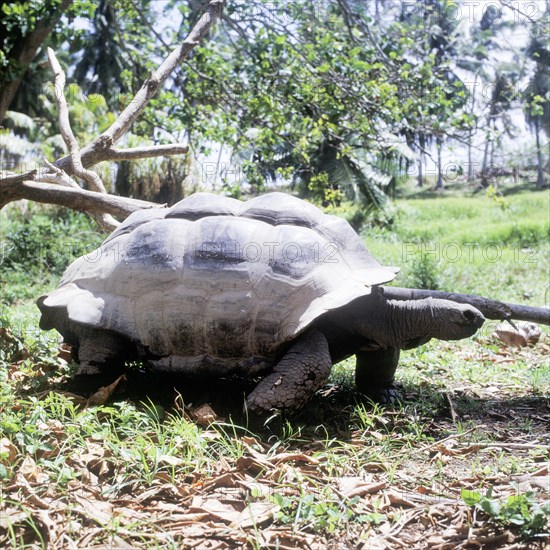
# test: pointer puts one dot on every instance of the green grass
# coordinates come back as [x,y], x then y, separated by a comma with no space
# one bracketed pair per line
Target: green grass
[140,471]
[471,244]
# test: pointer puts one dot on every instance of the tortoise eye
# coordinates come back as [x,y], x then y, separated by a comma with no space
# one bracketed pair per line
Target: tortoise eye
[470,315]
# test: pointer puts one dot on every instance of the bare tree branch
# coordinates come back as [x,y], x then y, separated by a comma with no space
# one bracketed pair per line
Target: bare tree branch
[76,199]
[514,6]
[90,177]
[17,178]
[134,153]
[492,309]
[104,220]
[99,149]
[57,176]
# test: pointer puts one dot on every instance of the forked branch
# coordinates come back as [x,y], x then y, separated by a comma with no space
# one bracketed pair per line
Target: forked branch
[101,147]
[56,185]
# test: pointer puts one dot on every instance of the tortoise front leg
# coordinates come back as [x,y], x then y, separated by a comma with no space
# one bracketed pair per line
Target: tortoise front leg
[297,376]
[375,372]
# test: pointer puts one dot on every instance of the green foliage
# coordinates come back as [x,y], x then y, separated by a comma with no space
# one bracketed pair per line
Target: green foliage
[497,197]
[89,116]
[317,101]
[424,272]
[519,511]
[116,55]
[18,20]
[48,243]
[467,237]
[321,514]
[39,245]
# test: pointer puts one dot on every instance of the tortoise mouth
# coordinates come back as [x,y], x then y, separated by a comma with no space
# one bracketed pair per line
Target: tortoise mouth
[474,318]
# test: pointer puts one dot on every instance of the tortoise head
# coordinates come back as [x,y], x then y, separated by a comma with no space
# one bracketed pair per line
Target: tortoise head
[434,318]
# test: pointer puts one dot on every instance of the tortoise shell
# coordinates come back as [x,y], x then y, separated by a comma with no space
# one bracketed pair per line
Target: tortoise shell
[215,277]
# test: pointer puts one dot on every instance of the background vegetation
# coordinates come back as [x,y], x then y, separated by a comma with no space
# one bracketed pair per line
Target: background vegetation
[340,99]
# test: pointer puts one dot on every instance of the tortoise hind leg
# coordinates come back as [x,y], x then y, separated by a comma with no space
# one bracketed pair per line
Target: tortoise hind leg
[375,372]
[297,376]
[101,356]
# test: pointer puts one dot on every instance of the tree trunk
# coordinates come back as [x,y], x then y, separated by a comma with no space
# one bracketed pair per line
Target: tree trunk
[540,168]
[470,165]
[484,166]
[439,185]
[23,53]
[471,171]
[422,142]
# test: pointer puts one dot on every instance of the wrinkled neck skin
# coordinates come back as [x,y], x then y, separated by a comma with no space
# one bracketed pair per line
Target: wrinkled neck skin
[393,323]
[373,322]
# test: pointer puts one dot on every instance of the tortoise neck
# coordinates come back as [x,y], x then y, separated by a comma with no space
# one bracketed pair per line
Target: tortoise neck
[392,323]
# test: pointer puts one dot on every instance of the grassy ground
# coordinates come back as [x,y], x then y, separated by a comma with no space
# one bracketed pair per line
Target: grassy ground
[461,462]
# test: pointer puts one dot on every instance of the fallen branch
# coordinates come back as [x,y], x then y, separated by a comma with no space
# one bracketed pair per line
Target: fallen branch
[492,309]
[76,199]
[17,178]
[444,440]
[55,175]
[511,446]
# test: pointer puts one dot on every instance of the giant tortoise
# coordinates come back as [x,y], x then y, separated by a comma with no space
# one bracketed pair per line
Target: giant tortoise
[271,288]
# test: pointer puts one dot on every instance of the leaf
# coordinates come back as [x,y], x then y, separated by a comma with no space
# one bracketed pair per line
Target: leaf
[354,486]
[204,415]
[101,396]
[471,498]
[216,509]
[256,513]
[65,353]
[31,472]
[8,451]
[99,511]
[297,457]
[348,173]
[170,460]
[490,506]
[324,68]
[12,517]
[20,120]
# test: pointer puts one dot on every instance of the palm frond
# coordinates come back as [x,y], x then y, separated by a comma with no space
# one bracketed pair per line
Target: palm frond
[20,121]
[395,144]
[359,180]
